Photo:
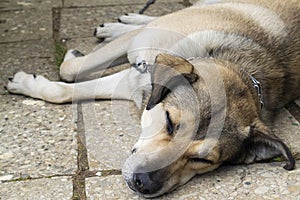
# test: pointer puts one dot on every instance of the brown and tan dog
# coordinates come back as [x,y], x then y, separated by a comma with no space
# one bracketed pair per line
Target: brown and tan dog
[214,68]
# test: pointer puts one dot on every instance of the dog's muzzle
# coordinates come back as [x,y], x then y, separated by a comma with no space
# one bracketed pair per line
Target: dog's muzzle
[145,182]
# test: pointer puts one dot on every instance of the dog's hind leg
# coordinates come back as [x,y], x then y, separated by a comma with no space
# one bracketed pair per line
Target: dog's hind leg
[127,84]
[97,60]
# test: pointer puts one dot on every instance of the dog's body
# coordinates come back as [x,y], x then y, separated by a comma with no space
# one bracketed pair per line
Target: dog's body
[210,99]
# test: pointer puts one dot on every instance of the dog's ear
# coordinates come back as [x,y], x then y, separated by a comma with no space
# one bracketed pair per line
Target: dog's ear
[262,145]
[168,72]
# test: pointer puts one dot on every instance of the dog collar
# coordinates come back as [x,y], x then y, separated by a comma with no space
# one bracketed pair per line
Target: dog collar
[256,84]
[142,67]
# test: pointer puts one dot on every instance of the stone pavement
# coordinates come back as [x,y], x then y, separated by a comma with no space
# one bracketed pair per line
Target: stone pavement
[76,151]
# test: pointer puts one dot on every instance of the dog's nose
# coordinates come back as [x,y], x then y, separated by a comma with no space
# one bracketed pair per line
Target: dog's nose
[144,184]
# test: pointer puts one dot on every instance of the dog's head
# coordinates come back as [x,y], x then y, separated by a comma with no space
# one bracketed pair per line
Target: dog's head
[196,119]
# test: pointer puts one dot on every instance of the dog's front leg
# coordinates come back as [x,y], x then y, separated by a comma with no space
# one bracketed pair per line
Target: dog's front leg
[127,84]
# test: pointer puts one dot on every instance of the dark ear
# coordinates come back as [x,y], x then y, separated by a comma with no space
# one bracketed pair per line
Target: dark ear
[167,73]
[264,145]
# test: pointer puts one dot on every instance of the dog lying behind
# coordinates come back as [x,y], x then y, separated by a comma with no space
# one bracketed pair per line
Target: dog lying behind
[213,68]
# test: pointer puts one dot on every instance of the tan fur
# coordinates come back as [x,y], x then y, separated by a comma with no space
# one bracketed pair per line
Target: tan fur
[197,111]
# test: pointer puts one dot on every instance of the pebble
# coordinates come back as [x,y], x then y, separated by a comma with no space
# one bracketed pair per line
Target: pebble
[6,177]
[99,174]
[261,190]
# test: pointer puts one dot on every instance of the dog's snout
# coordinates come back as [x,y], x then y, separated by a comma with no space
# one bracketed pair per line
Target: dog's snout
[144,184]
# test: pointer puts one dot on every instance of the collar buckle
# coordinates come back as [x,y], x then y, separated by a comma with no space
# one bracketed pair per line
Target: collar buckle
[142,67]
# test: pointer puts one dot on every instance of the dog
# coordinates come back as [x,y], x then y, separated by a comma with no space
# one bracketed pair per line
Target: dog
[214,72]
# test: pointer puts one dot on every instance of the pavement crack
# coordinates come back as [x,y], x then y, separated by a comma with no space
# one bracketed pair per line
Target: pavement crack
[56,16]
[79,191]
[29,178]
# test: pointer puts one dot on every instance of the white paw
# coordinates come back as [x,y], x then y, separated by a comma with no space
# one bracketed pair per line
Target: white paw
[26,84]
[135,19]
[110,31]
[39,87]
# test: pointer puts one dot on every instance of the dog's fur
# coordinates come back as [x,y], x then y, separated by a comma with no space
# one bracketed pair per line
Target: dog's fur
[203,109]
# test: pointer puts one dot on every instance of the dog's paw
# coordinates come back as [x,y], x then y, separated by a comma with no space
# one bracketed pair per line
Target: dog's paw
[110,31]
[135,19]
[26,84]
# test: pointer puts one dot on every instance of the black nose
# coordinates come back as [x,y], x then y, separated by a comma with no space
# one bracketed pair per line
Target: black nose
[144,183]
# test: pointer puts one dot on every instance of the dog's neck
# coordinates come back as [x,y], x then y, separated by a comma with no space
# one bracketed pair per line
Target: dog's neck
[248,79]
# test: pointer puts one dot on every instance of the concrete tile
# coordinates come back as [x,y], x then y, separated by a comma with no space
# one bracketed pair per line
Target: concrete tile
[41,189]
[70,3]
[27,49]
[28,4]
[80,22]
[29,24]
[37,138]
[111,129]
[35,56]
[258,181]
[111,187]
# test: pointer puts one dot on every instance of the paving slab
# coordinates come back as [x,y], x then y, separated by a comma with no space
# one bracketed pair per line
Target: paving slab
[34,56]
[40,189]
[27,4]
[80,22]
[37,138]
[257,181]
[111,129]
[43,48]
[29,24]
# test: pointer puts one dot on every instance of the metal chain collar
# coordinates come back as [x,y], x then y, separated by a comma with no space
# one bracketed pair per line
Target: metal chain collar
[256,84]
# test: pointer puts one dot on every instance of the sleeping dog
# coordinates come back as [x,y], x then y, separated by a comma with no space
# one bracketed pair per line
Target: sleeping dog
[214,73]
